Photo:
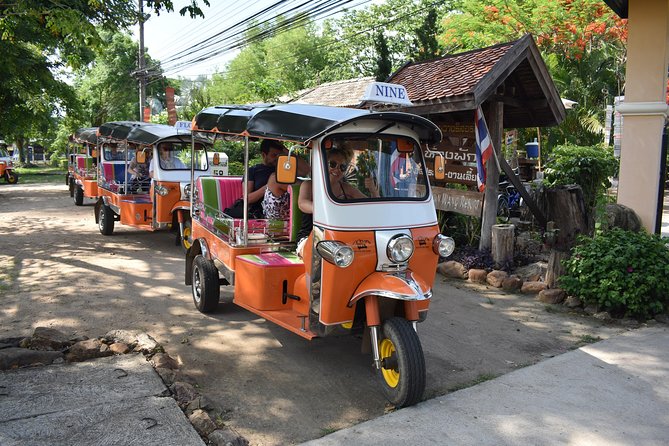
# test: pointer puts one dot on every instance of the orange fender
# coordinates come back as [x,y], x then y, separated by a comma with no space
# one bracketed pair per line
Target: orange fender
[399,285]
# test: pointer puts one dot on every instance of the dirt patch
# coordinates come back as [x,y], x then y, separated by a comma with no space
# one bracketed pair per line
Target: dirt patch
[57,270]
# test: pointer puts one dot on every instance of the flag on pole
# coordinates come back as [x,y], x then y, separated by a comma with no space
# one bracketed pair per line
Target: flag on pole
[484,148]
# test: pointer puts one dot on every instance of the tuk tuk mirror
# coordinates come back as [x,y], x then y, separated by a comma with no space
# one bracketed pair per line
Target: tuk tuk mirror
[141,157]
[404,145]
[286,169]
[439,170]
[217,159]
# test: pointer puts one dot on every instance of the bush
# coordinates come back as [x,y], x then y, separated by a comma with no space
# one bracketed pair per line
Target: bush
[623,272]
[588,166]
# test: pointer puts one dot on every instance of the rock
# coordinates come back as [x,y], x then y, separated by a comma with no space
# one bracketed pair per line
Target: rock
[45,338]
[452,269]
[573,302]
[620,216]
[602,316]
[168,376]
[512,283]
[552,296]
[125,336]
[15,357]
[25,343]
[495,278]
[10,342]
[532,272]
[478,275]
[164,360]
[119,348]
[532,287]
[202,423]
[227,437]
[146,344]
[590,309]
[84,350]
[183,392]
[201,402]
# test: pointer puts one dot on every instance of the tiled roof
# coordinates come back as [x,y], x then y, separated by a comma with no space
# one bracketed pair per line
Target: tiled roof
[448,76]
[346,93]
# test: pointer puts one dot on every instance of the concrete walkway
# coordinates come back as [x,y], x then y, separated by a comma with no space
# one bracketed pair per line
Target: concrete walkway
[614,392]
[111,401]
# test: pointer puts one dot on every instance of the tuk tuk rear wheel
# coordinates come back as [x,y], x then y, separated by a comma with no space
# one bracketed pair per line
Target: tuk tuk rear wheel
[78,195]
[72,187]
[187,237]
[12,177]
[206,288]
[106,220]
[402,370]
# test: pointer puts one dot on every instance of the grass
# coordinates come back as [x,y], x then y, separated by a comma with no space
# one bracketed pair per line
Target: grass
[41,174]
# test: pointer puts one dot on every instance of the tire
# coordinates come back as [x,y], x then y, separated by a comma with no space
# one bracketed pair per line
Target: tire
[78,196]
[11,177]
[72,184]
[403,364]
[106,220]
[205,288]
[67,179]
[186,240]
[503,213]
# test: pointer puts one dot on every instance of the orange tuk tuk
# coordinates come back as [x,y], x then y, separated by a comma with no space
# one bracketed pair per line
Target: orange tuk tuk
[370,255]
[83,180]
[145,171]
[7,167]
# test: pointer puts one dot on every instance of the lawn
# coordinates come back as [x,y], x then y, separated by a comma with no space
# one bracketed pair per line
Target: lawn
[41,174]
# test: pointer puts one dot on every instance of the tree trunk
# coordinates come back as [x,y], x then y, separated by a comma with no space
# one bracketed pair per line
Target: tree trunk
[502,245]
[555,268]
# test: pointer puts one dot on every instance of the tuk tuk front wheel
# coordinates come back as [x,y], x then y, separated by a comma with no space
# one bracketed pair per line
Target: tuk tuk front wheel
[402,363]
[11,177]
[106,220]
[206,288]
[187,237]
[78,195]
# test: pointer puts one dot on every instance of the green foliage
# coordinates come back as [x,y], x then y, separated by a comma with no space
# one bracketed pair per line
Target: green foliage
[383,63]
[589,167]
[622,272]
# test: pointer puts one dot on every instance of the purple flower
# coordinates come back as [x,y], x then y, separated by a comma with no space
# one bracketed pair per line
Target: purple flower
[630,269]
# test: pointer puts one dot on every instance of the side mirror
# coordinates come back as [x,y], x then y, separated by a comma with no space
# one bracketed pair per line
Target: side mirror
[404,145]
[217,159]
[439,170]
[141,157]
[286,169]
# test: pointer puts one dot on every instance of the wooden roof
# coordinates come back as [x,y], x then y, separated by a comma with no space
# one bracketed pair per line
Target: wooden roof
[513,73]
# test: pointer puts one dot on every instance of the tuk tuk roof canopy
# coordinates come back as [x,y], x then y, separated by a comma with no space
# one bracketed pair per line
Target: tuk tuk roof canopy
[299,122]
[86,135]
[139,132]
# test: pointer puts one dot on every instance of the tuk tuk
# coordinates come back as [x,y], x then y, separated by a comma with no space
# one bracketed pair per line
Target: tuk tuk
[7,167]
[83,176]
[144,177]
[370,257]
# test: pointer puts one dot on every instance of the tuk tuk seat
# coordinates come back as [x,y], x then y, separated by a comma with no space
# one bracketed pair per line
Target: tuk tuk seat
[113,176]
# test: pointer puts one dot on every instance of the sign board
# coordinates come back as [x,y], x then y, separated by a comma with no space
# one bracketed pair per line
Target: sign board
[460,201]
[458,148]
[183,125]
[384,93]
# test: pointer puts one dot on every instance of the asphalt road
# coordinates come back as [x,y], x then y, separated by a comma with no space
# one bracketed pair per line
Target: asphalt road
[57,270]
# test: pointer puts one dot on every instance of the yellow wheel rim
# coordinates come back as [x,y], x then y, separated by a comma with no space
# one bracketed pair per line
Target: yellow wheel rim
[186,240]
[391,376]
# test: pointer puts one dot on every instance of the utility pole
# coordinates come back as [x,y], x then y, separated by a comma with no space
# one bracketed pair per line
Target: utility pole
[141,72]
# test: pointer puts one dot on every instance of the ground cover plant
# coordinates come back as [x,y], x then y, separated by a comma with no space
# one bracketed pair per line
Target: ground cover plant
[623,272]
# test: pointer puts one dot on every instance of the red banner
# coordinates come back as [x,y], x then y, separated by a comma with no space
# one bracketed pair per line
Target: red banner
[171,109]
[147,114]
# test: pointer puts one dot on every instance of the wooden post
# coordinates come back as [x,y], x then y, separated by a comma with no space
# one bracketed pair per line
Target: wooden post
[494,119]
[502,245]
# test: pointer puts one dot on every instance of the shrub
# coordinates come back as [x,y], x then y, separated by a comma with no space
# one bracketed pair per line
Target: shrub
[588,166]
[623,272]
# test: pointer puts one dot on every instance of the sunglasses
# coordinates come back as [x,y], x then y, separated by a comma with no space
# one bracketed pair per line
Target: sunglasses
[335,164]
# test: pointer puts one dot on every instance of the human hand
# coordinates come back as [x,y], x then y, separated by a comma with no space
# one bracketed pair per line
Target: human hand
[371,186]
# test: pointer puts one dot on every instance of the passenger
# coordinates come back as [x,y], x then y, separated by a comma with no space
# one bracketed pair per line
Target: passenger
[167,160]
[276,202]
[139,173]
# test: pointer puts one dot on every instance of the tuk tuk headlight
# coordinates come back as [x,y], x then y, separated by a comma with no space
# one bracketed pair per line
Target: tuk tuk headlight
[187,192]
[335,252]
[400,248]
[443,245]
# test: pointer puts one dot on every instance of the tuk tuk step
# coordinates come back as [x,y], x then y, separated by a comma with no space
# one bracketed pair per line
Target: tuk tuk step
[292,320]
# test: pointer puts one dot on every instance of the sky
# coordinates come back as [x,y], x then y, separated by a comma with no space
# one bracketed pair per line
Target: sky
[168,33]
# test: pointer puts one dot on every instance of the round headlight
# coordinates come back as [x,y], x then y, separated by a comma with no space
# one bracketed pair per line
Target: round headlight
[336,252]
[400,248]
[443,245]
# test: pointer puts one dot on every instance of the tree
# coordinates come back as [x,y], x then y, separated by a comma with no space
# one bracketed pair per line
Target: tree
[383,63]
[426,45]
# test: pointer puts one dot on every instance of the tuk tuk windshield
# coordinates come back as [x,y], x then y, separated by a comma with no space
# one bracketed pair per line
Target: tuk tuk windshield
[176,155]
[114,152]
[374,168]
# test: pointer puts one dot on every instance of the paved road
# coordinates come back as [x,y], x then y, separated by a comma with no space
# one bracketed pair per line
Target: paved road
[56,270]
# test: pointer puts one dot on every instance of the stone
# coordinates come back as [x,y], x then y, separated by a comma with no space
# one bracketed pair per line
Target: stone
[590,309]
[15,357]
[573,302]
[512,283]
[10,342]
[478,275]
[532,272]
[226,437]
[452,269]
[602,316]
[146,343]
[532,287]
[495,278]
[119,348]
[84,350]
[620,216]
[168,376]
[202,423]
[552,296]
[125,336]
[201,402]
[163,360]
[183,392]
[45,338]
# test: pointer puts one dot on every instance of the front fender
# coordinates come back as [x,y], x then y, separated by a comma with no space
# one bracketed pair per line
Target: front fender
[398,285]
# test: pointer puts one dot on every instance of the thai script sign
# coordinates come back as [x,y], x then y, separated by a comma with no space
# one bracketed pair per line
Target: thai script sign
[458,147]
